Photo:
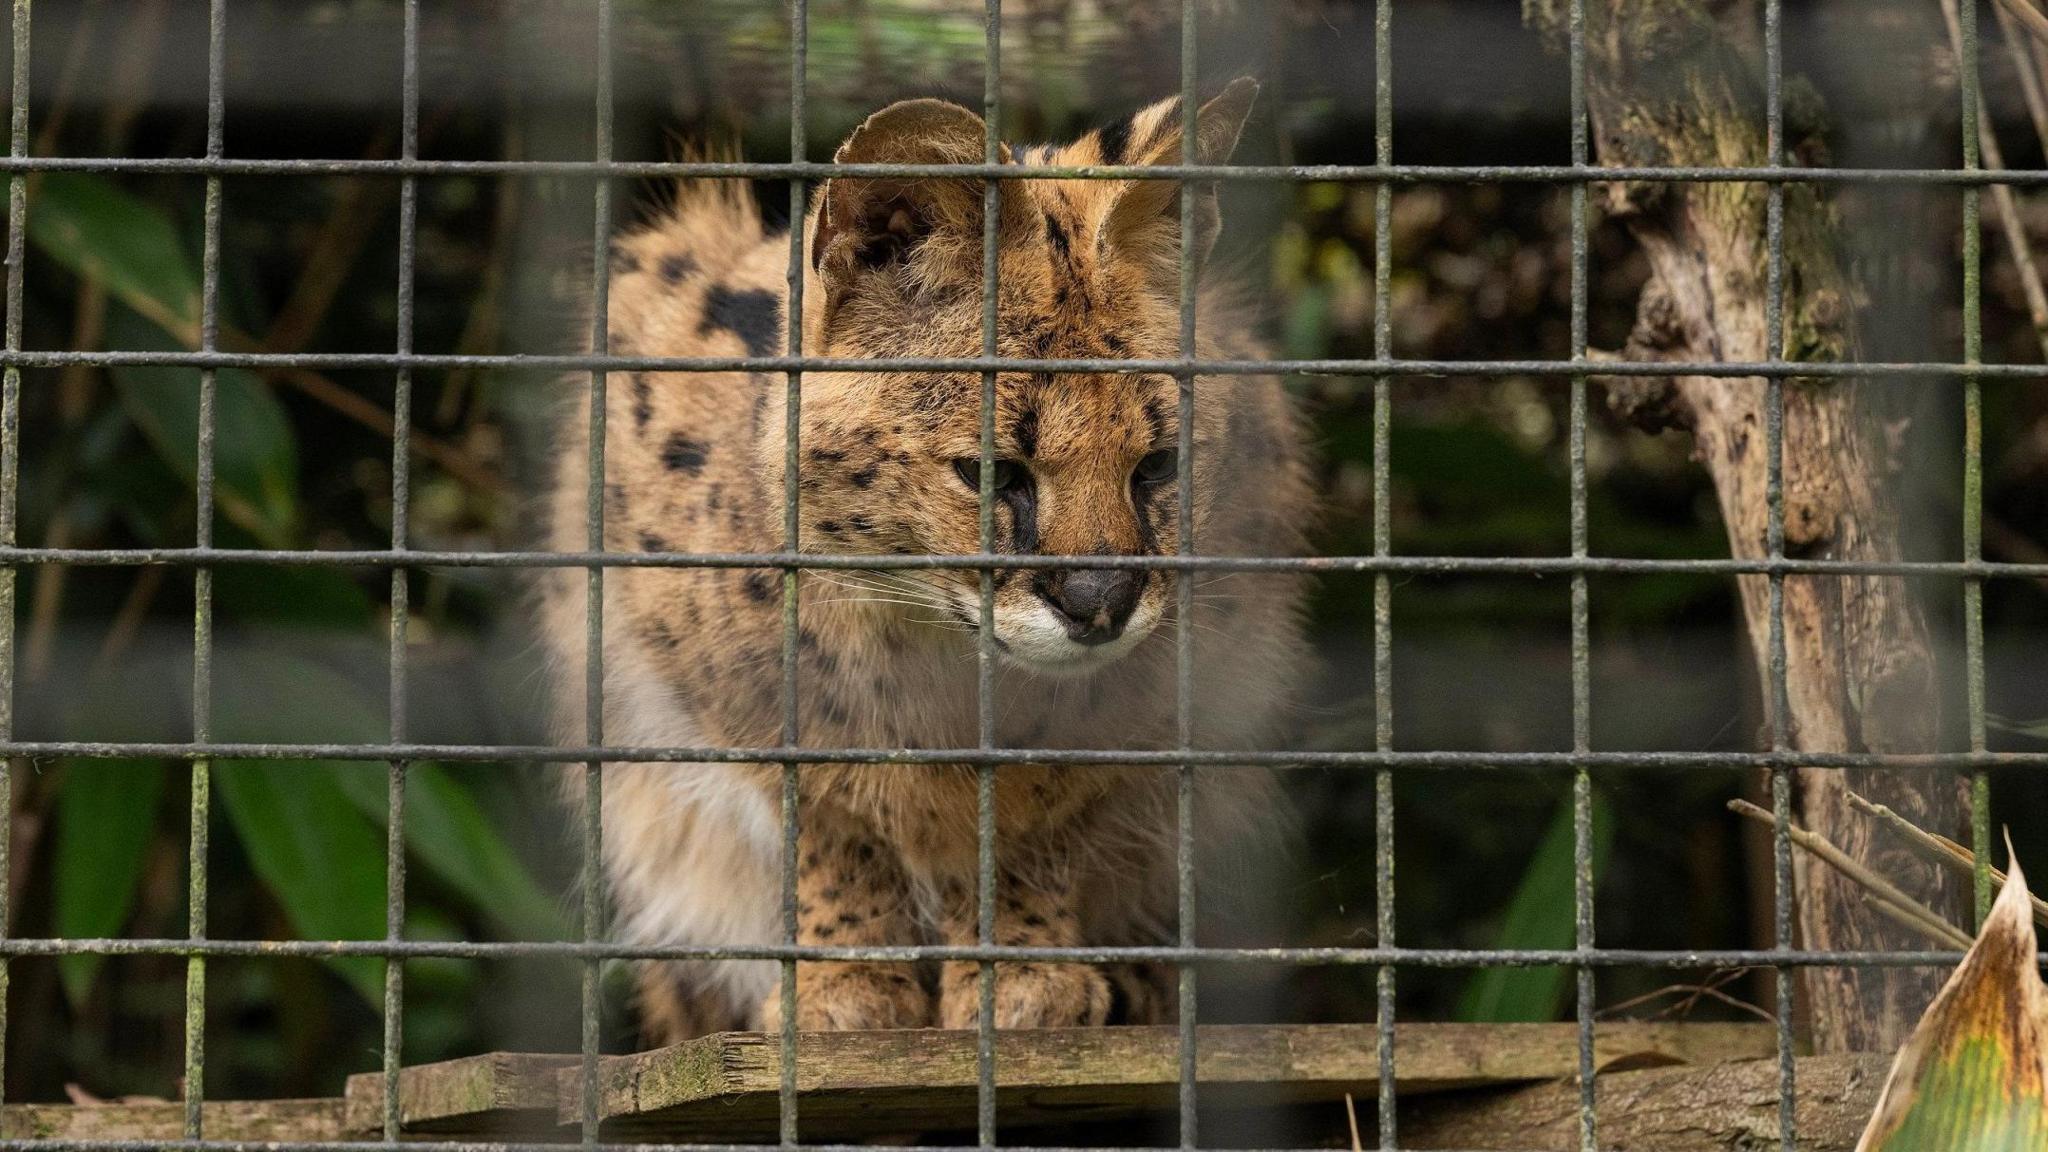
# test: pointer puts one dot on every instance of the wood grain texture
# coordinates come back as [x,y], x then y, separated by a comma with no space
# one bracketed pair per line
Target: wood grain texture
[856,1084]
[495,1092]
[254,1121]
[853,1085]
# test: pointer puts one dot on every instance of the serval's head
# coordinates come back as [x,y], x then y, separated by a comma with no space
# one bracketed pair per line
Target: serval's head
[1086,464]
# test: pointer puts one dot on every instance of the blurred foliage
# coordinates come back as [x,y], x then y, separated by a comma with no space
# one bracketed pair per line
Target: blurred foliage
[303,460]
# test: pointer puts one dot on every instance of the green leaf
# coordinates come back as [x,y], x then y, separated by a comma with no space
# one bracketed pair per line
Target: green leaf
[1541,916]
[94,227]
[106,817]
[449,834]
[255,456]
[1974,1075]
[315,852]
[280,696]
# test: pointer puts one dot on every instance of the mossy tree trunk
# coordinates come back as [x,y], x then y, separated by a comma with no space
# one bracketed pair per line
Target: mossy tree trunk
[1678,83]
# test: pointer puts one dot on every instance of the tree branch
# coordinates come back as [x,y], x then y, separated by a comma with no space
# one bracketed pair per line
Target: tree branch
[1678,83]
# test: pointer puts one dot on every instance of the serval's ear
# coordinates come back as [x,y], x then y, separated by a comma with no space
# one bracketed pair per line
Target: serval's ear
[918,232]
[1145,219]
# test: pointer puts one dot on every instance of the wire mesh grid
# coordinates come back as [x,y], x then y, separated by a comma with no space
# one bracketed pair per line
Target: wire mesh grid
[1386,957]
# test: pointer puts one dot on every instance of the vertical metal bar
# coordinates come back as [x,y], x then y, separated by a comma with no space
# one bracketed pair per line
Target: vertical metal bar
[1582,657]
[401,580]
[1973,458]
[593,605]
[799,53]
[202,579]
[1184,581]
[1383,545]
[985,654]
[10,473]
[1774,498]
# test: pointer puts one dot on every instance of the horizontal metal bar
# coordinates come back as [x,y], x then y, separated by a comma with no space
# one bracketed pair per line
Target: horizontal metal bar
[391,361]
[1063,757]
[1411,565]
[818,170]
[908,954]
[412,1144]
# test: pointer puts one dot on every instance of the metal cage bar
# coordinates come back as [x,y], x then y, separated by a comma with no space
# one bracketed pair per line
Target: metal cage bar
[1164,954]
[1972,93]
[1076,757]
[202,581]
[825,561]
[384,362]
[590,1038]
[1232,173]
[10,475]
[986,875]
[1431,565]
[793,390]
[1581,609]
[401,580]
[1774,543]
[1382,549]
[1184,589]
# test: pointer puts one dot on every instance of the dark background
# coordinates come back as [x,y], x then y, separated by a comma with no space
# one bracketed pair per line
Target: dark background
[1478,467]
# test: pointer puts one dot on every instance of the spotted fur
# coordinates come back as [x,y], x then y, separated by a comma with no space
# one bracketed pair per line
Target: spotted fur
[694,657]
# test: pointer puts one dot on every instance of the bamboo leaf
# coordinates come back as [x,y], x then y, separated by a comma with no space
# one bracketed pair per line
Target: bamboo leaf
[448,832]
[255,455]
[106,815]
[1974,1075]
[278,696]
[1541,916]
[94,227]
[315,852]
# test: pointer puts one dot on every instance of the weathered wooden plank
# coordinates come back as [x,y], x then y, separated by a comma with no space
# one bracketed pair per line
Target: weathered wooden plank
[265,1121]
[854,1084]
[477,1095]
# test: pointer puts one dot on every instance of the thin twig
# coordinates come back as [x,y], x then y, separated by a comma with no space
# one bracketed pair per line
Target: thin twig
[2027,66]
[1692,994]
[2028,15]
[1734,1002]
[2003,200]
[481,332]
[1876,887]
[1351,1114]
[128,618]
[333,253]
[67,81]
[452,459]
[46,601]
[1935,848]
[1912,923]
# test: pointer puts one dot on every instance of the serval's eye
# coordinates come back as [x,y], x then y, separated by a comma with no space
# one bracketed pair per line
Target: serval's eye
[1009,474]
[1157,467]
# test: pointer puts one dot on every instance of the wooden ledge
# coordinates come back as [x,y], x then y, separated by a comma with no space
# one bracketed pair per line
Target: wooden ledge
[255,1121]
[851,1085]
[725,1087]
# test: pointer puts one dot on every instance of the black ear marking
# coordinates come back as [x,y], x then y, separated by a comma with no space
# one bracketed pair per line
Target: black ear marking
[1115,141]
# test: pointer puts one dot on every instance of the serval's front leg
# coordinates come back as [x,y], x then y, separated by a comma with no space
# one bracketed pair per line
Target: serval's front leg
[851,891]
[1035,907]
